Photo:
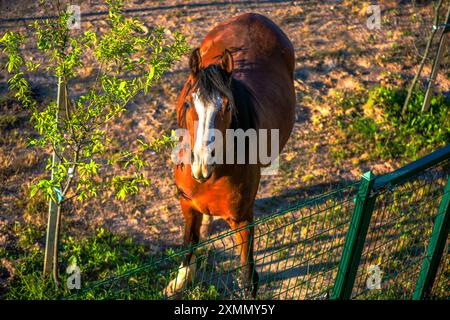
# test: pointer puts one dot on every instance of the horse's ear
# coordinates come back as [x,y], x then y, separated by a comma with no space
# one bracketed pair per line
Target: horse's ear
[227,62]
[195,61]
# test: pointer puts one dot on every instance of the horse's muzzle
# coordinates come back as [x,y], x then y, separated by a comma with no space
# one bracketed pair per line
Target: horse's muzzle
[201,172]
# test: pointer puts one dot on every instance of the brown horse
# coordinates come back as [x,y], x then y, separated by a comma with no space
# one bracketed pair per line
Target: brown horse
[241,78]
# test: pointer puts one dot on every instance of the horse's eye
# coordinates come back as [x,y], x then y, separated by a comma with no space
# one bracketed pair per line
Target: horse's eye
[186,105]
[226,108]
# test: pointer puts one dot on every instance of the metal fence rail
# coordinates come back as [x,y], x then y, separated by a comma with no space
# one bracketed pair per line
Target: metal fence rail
[380,238]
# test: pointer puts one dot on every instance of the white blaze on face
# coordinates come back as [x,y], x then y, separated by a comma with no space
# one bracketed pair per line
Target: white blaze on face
[204,135]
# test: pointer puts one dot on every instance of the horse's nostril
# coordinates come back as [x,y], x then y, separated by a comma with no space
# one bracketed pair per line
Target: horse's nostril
[213,153]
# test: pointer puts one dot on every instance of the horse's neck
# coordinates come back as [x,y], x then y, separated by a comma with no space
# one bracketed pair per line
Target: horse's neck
[246,116]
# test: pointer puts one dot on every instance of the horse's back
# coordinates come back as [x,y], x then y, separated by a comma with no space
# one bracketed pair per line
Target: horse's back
[253,40]
[264,60]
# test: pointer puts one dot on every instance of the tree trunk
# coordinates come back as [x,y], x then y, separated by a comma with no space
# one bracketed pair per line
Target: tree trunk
[56,246]
[54,212]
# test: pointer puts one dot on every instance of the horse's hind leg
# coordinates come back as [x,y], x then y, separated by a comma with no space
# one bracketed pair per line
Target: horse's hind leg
[186,271]
[244,243]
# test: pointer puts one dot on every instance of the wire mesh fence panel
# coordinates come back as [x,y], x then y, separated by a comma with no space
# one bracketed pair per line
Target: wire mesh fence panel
[399,230]
[441,287]
[300,262]
[297,252]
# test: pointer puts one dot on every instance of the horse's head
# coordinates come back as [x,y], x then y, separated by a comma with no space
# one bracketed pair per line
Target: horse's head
[206,108]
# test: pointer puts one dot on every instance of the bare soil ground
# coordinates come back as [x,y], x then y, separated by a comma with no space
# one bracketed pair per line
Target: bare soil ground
[334,51]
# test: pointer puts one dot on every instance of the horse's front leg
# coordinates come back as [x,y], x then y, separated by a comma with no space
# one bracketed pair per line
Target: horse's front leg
[244,242]
[186,271]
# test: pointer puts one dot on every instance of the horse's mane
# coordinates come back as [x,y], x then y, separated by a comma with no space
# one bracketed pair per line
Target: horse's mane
[214,79]
[245,117]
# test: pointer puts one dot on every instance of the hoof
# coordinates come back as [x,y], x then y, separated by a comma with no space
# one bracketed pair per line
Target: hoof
[172,291]
[177,285]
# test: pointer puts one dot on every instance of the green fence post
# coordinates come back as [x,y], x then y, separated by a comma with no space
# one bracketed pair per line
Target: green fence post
[435,249]
[355,238]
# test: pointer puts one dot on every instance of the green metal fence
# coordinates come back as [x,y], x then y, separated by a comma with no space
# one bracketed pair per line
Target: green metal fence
[402,218]
[380,238]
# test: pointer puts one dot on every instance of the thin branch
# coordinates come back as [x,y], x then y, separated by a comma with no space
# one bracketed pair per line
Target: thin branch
[424,58]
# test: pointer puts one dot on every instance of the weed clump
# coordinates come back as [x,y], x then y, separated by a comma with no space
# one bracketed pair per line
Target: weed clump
[371,121]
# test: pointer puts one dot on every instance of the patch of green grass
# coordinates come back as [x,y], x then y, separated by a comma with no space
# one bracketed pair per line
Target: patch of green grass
[372,123]
[98,258]
[115,259]
[200,293]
